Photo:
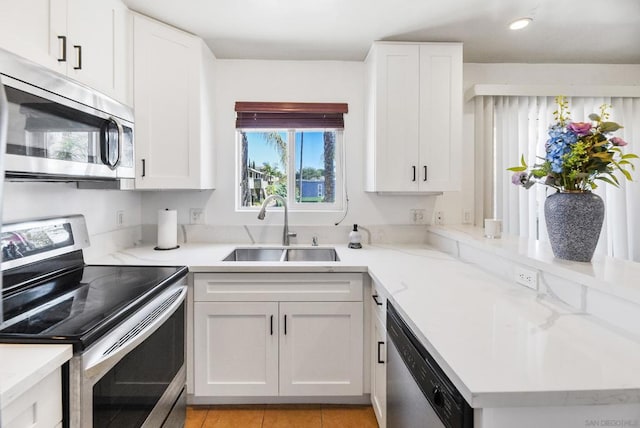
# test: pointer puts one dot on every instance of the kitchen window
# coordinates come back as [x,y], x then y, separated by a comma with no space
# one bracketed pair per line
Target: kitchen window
[294,150]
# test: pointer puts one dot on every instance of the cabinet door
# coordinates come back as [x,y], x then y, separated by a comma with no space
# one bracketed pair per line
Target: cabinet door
[166,76]
[235,348]
[440,116]
[379,371]
[321,348]
[34,29]
[396,118]
[96,46]
[38,407]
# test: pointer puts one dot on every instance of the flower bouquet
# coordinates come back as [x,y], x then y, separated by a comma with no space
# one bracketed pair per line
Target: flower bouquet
[578,154]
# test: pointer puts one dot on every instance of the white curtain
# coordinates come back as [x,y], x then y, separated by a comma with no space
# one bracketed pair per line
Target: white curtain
[520,127]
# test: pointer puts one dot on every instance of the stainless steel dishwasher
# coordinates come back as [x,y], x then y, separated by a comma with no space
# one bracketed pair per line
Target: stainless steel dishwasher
[419,394]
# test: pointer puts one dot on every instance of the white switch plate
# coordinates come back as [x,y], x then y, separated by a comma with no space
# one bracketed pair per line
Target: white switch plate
[466,217]
[439,217]
[196,216]
[526,277]
[417,215]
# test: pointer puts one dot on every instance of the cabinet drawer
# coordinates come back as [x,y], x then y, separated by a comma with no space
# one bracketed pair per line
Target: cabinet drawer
[378,301]
[264,287]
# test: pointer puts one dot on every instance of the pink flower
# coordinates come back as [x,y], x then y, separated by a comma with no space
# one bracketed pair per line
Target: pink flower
[580,128]
[616,141]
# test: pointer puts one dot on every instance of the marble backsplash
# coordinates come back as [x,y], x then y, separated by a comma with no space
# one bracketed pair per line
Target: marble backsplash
[272,235]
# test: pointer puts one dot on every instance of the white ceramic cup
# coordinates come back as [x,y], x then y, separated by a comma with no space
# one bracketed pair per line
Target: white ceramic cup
[492,228]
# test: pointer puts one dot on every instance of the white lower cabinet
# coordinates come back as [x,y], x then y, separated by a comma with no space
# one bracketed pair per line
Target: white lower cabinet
[276,348]
[379,372]
[378,354]
[321,348]
[236,348]
[39,407]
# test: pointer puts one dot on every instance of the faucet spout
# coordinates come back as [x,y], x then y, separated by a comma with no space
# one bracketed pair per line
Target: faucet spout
[286,235]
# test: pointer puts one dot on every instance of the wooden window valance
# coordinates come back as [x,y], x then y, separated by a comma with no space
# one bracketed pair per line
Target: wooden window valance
[290,115]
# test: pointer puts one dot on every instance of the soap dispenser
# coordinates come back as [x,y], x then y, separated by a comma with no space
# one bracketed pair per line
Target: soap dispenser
[355,237]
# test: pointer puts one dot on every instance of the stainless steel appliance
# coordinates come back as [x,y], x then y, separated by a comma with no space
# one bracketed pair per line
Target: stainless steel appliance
[419,394]
[61,130]
[126,324]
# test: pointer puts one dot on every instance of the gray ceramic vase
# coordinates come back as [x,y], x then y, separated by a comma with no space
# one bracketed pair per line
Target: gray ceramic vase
[574,222]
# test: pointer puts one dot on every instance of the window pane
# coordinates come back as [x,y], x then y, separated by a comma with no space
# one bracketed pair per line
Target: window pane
[315,169]
[263,166]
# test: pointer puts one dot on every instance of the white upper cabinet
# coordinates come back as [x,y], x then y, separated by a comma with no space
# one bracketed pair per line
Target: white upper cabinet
[414,117]
[85,39]
[99,33]
[173,99]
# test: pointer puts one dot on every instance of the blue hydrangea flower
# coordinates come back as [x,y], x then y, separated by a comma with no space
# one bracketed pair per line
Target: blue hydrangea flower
[558,145]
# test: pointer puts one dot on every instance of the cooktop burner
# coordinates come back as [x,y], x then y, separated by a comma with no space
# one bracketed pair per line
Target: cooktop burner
[80,305]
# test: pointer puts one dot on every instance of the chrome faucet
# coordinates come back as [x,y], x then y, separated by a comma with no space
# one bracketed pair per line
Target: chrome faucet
[263,210]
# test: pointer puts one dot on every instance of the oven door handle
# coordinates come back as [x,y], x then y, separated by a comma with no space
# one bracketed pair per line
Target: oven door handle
[105,354]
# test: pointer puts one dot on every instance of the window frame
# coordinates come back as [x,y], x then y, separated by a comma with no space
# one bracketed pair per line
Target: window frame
[293,205]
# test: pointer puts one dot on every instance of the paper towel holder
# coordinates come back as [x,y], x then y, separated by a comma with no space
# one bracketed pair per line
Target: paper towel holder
[165,247]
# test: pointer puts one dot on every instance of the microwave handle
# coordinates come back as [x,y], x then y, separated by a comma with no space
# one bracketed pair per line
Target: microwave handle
[105,158]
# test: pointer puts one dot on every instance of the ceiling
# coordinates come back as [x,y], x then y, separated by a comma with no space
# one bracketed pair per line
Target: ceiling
[563,31]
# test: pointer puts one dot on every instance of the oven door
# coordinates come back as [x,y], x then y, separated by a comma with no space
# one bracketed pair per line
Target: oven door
[135,375]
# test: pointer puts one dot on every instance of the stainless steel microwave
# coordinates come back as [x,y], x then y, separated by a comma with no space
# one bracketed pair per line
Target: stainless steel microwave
[61,130]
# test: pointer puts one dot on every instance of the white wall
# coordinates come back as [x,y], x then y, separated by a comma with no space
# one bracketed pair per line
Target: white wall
[30,200]
[453,203]
[298,81]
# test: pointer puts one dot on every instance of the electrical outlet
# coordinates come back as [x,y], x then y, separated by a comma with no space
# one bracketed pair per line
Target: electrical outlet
[196,216]
[466,217]
[439,217]
[526,277]
[417,215]
[120,218]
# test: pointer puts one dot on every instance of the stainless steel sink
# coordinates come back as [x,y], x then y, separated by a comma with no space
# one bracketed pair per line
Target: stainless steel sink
[255,255]
[252,254]
[311,255]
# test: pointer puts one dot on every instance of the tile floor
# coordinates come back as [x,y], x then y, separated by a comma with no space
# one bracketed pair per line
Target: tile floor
[279,416]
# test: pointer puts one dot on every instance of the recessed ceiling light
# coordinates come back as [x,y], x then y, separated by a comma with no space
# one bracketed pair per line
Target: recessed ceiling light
[520,23]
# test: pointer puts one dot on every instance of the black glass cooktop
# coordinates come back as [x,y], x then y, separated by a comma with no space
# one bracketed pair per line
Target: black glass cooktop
[82,304]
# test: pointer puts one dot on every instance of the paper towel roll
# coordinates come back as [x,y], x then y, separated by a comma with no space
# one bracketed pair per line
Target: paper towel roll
[167,229]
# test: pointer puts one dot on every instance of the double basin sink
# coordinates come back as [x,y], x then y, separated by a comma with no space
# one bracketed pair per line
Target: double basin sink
[282,254]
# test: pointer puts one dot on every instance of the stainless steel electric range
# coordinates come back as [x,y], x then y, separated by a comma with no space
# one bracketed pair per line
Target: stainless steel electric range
[126,324]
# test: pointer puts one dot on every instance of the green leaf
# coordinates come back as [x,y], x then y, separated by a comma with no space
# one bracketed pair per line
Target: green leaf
[522,162]
[594,117]
[605,179]
[630,156]
[614,178]
[609,126]
[517,168]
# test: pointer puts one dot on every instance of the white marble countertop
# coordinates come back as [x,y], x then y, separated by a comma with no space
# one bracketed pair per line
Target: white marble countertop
[23,366]
[613,276]
[500,343]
